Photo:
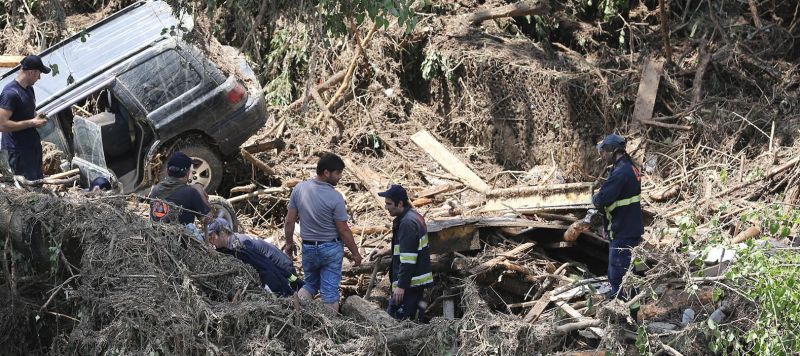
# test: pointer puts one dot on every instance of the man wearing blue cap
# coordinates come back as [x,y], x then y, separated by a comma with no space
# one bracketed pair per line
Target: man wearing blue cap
[411,259]
[619,201]
[190,201]
[275,268]
[19,120]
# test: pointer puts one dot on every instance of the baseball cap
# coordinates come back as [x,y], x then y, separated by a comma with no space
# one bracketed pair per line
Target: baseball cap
[178,163]
[219,224]
[395,192]
[34,62]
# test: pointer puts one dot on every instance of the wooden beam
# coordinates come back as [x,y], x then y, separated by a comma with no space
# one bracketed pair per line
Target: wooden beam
[549,198]
[257,193]
[450,162]
[10,61]
[363,310]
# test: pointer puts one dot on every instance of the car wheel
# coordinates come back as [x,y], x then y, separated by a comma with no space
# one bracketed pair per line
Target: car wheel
[220,208]
[206,166]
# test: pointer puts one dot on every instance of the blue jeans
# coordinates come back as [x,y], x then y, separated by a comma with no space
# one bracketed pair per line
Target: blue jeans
[322,270]
[619,260]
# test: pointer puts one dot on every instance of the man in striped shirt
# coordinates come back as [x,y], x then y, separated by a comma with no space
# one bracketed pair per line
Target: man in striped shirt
[411,259]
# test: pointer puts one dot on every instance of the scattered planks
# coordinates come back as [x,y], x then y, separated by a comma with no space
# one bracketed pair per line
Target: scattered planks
[450,162]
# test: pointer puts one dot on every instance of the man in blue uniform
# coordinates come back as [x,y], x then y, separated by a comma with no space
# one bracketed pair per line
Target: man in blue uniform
[619,202]
[275,268]
[19,120]
[411,258]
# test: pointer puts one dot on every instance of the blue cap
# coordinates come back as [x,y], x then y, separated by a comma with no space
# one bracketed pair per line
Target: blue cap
[218,225]
[178,164]
[100,182]
[395,192]
[34,62]
[612,142]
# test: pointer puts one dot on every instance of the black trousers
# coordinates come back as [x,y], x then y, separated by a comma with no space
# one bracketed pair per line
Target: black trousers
[409,308]
[26,162]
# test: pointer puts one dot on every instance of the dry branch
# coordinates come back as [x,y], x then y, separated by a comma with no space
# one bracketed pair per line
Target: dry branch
[522,8]
[257,193]
[257,163]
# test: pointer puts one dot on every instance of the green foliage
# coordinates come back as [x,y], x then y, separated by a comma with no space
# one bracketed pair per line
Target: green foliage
[643,341]
[612,8]
[768,277]
[338,14]
[279,90]
[436,64]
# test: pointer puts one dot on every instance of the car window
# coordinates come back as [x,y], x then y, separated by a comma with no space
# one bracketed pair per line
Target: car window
[160,79]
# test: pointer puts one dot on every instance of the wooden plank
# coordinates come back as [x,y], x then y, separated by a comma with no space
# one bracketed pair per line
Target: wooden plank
[517,222]
[648,88]
[545,198]
[454,239]
[10,61]
[537,309]
[450,162]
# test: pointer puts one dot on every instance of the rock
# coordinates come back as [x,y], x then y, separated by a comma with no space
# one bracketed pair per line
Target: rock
[659,327]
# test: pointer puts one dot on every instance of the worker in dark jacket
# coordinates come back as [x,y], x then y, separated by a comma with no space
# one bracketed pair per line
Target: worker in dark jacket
[275,268]
[619,201]
[411,259]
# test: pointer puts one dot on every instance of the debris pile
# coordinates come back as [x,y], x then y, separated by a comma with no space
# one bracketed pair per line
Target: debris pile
[491,125]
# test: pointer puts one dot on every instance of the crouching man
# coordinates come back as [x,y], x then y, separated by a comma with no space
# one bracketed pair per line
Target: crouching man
[275,269]
[411,259]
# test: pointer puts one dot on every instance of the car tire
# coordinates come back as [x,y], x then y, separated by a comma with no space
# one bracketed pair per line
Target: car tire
[206,166]
[220,208]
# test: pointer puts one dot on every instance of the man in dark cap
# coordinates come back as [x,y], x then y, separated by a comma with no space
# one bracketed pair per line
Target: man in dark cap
[19,120]
[173,198]
[619,201]
[411,258]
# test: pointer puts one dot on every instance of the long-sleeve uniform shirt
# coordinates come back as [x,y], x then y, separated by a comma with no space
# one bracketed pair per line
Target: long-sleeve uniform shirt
[619,199]
[411,259]
[274,267]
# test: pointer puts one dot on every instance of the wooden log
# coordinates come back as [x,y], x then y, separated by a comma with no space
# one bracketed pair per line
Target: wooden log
[291,182]
[450,162]
[264,146]
[747,234]
[64,174]
[519,9]
[37,182]
[257,193]
[257,163]
[362,310]
[665,194]
[664,19]
[244,188]
[580,325]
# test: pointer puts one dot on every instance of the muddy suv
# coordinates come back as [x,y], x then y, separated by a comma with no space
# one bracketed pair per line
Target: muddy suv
[128,91]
